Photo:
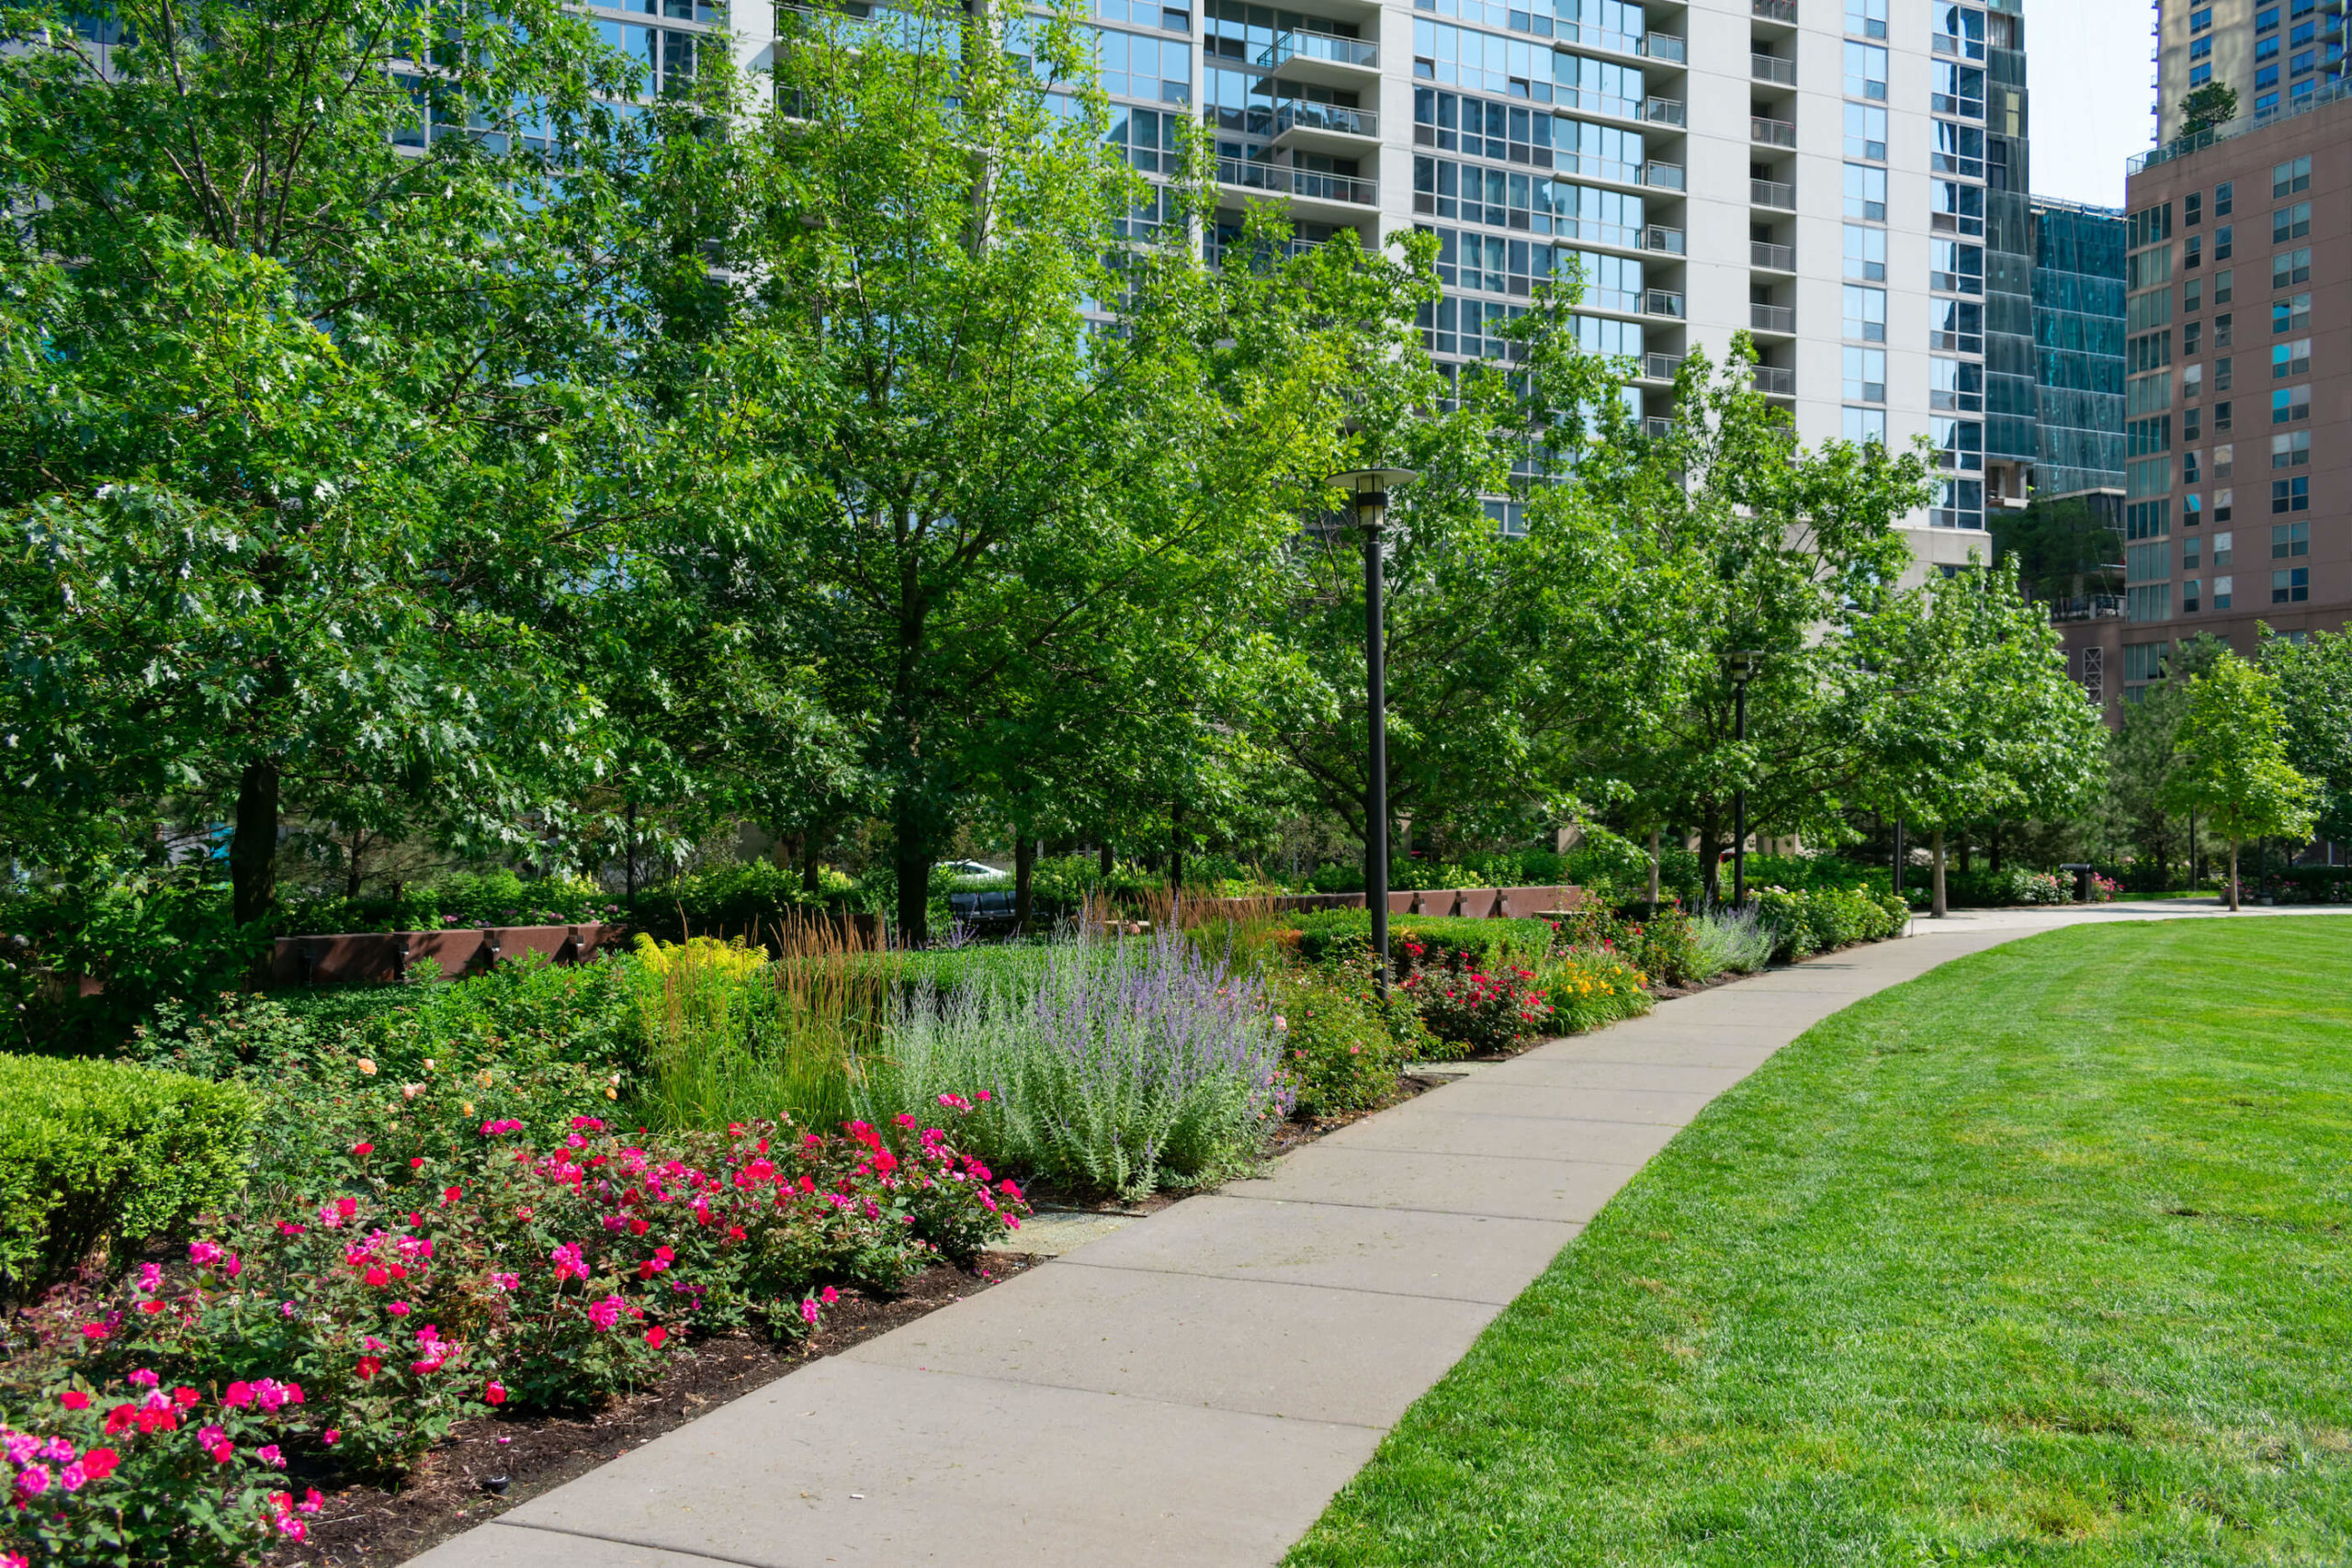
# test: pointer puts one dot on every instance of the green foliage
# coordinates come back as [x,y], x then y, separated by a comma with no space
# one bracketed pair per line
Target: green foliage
[1341,1048]
[1825,919]
[458,899]
[1324,933]
[107,1154]
[2208,108]
[2233,766]
[2315,690]
[141,933]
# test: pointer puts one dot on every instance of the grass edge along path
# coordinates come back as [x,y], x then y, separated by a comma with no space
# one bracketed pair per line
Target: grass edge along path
[2039,1259]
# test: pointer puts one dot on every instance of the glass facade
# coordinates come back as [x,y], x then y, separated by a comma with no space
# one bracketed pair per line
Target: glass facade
[2078,349]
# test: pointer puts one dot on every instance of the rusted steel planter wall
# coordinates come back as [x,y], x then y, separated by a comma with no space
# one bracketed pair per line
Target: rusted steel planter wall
[374,957]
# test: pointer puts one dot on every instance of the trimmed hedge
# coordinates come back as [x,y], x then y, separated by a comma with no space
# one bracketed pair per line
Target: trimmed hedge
[1824,919]
[1480,941]
[106,1152]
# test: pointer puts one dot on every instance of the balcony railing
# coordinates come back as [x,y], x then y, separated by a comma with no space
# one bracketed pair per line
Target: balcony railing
[1773,318]
[1662,302]
[1657,428]
[1772,68]
[1771,133]
[1658,237]
[1666,176]
[1663,46]
[1777,193]
[1659,366]
[1776,381]
[1663,111]
[1333,117]
[1311,183]
[2088,607]
[1777,11]
[1771,257]
[1319,45]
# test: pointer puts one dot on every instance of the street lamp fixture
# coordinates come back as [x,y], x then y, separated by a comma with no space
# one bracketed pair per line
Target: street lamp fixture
[1368,493]
[1743,666]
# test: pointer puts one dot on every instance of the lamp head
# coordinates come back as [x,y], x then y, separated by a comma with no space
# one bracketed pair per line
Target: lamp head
[1743,664]
[1369,488]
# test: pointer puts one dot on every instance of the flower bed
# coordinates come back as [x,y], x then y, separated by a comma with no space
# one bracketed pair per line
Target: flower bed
[351,1332]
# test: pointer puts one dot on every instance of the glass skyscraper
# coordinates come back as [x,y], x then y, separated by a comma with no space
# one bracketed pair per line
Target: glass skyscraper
[2077,348]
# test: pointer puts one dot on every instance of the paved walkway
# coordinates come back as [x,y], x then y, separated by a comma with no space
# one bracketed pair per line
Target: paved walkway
[1194,1388]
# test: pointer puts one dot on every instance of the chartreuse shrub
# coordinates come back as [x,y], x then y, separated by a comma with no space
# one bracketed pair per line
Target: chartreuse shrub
[107,1153]
[1824,920]
[1342,1045]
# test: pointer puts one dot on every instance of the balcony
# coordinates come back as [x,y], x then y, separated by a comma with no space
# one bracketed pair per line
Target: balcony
[1768,132]
[1659,429]
[1662,302]
[1659,366]
[1773,69]
[2089,608]
[1776,11]
[1325,48]
[1663,46]
[1776,381]
[1658,237]
[1308,185]
[1303,122]
[1779,319]
[1766,256]
[1663,111]
[1779,194]
[1665,176]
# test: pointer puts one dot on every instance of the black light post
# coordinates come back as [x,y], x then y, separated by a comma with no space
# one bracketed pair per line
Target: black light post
[1368,488]
[1743,670]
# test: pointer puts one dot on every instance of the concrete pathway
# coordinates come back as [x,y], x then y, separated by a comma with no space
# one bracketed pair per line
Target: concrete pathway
[1192,1387]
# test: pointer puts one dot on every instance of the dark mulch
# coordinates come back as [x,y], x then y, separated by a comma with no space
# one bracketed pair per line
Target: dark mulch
[369,1527]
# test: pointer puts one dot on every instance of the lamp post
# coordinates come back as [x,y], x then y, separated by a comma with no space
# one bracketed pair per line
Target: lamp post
[1368,490]
[1743,670]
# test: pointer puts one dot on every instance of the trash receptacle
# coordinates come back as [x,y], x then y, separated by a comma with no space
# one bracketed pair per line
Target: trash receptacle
[2082,882]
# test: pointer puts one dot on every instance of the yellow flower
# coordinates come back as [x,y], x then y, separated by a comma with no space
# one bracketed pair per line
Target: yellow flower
[470,1108]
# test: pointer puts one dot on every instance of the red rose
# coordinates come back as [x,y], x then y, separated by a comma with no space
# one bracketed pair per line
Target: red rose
[495,1394]
[368,1367]
[74,1399]
[656,1335]
[363,1150]
[98,1463]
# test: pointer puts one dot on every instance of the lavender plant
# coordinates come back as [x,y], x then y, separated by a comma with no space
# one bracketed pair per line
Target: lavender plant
[1120,1068]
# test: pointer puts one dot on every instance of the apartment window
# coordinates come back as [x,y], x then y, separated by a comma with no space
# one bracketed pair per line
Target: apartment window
[1865,253]
[1960,443]
[1957,268]
[2201,20]
[2193,210]
[2192,295]
[2289,404]
[2192,423]
[2193,511]
[2222,339]
[2150,351]
[2290,358]
[2149,601]
[2145,437]
[2202,72]
[2267,102]
[1866,19]
[1865,424]
[1865,72]
[2225,458]
[2224,241]
[1956,209]
[1866,194]
[1865,376]
[2289,179]
[2192,340]
[2290,314]
[2266,19]
[2223,589]
[2190,550]
[1958,30]
[1955,150]
[2148,520]
[2224,546]
[1866,314]
[2189,597]
[1955,386]
[2291,495]
[2195,253]
[2225,288]
[2291,586]
[2290,267]
[1957,90]
[2291,223]
[2189,473]
[2267,77]
[2224,502]
[1866,132]
[2224,194]
[2291,450]
[1955,326]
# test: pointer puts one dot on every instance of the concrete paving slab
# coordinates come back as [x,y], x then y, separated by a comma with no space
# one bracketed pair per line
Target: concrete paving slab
[502,1545]
[1254,1346]
[873,1466]
[1474,1258]
[1686,1048]
[1491,1135]
[1569,1191]
[1058,1232]
[1515,1095]
[1540,1066]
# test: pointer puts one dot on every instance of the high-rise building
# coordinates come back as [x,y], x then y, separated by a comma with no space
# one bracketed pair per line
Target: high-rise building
[2078,349]
[2271,52]
[2238,513]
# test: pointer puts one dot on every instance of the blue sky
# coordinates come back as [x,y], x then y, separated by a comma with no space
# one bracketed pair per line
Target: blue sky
[2089,75]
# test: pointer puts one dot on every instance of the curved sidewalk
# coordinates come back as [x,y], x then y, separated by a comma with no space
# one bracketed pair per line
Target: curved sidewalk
[1194,1387]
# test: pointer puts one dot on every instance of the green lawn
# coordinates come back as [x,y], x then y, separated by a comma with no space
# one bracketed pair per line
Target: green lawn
[2041,1259]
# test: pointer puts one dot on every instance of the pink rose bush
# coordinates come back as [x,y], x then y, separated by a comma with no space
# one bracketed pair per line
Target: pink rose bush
[1479,1010]
[354,1330]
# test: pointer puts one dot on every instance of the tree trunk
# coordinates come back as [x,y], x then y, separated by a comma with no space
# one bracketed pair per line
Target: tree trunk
[1102,861]
[352,872]
[2234,876]
[912,856]
[1024,871]
[1936,908]
[1176,846]
[628,862]
[1963,851]
[253,849]
[1711,850]
[1654,853]
[810,883]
